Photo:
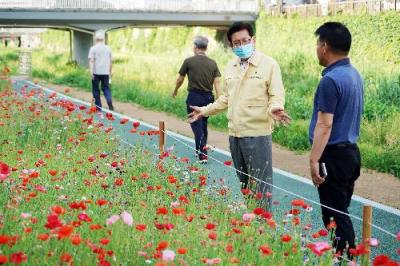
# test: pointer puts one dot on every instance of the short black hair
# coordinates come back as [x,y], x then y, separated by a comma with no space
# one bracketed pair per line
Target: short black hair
[239,26]
[336,35]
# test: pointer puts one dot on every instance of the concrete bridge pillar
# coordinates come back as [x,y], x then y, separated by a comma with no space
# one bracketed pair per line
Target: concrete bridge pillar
[220,36]
[82,42]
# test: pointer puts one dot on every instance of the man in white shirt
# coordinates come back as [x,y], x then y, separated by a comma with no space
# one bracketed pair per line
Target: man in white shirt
[100,63]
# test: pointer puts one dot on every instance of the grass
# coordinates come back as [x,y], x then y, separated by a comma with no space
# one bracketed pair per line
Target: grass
[147,62]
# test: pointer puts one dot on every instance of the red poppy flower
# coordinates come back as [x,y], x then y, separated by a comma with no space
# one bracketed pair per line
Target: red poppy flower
[65,257]
[109,116]
[315,235]
[141,227]
[78,205]
[58,209]
[258,211]
[229,248]
[323,232]
[101,202]
[189,218]
[183,199]
[103,263]
[4,171]
[178,211]
[359,250]
[162,211]
[210,226]
[4,239]
[296,220]
[331,225]
[104,241]
[136,124]
[123,121]
[294,211]
[286,238]
[52,172]
[236,230]
[119,182]
[172,179]
[181,251]
[18,258]
[65,231]
[75,240]
[95,227]
[3,259]
[162,245]
[383,260]
[267,215]
[298,202]
[53,221]
[228,163]
[212,236]
[265,250]
[43,237]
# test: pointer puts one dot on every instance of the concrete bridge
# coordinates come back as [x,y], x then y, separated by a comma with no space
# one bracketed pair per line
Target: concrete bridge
[84,17]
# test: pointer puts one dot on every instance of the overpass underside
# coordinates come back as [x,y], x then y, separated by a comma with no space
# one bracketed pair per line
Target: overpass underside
[95,20]
[83,23]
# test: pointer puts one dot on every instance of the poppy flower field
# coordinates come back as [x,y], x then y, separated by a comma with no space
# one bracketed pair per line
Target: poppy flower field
[73,194]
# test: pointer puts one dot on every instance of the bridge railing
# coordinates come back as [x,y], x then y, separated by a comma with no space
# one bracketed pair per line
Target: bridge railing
[336,8]
[212,6]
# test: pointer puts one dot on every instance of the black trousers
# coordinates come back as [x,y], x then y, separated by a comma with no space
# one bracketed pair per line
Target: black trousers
[343,164]
[199,128]
[104,79]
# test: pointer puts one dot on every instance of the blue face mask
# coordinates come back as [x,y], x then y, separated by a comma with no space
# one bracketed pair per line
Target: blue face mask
[244,51]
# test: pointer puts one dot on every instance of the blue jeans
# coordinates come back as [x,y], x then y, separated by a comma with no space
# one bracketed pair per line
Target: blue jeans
[105,88]
[199,128]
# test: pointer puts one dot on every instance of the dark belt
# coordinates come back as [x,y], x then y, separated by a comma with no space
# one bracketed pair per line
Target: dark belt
[339,146]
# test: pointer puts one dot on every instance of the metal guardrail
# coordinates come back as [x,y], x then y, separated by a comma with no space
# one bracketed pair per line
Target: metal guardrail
[336,8]
[235,6]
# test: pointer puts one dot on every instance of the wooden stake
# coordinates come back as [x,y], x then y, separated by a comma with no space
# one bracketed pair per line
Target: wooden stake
[366,233]
[161,128]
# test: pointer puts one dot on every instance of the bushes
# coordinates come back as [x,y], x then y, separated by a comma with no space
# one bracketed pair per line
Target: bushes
[375,52]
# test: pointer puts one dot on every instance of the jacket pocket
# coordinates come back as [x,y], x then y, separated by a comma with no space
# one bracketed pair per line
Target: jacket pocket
[256,103]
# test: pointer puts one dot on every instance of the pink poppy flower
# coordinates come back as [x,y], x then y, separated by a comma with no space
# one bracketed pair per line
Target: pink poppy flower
[373,242]
[168,255]
[25,215]
[248,217]
[175,204]
[112,220]
[127,218]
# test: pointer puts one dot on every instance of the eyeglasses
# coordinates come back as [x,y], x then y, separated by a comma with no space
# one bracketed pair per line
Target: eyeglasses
[241,42]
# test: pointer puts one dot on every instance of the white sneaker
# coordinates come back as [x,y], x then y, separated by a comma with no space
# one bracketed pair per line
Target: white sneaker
[203,161]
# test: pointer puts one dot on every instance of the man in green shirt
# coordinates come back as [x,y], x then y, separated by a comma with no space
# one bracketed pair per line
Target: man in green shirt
[203,74]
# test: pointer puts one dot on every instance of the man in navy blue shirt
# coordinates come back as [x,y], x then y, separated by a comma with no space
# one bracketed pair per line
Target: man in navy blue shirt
[334,130]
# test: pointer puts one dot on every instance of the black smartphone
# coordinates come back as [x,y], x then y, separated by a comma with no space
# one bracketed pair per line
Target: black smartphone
[322,170]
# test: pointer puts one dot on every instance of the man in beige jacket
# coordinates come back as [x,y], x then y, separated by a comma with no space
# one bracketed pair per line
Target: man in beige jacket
[255,98]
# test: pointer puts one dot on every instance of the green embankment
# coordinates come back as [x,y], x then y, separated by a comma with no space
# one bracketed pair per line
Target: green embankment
[147,61]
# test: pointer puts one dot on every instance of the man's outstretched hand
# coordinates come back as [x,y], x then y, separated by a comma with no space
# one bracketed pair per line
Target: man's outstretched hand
[279,115]
[195,115]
